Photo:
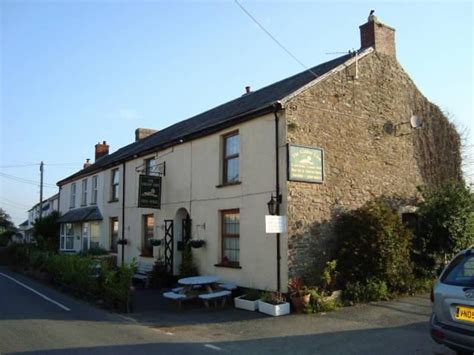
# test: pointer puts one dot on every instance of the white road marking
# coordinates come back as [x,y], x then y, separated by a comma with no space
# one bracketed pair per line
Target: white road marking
[210,346]
[36,292]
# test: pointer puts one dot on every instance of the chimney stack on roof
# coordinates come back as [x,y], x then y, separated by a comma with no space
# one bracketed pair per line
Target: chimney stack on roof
[141,133]
[101,149]
[87,163]
[378,35]
[248,89]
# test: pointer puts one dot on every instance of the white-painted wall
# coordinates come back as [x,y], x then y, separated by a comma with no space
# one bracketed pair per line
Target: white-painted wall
[193,173]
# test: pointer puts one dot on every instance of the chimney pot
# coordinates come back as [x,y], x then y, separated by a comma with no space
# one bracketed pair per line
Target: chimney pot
[378,35]
[248,89]
[101,149]
[87,163]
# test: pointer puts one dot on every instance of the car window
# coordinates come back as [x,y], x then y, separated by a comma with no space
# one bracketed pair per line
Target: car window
[460,272]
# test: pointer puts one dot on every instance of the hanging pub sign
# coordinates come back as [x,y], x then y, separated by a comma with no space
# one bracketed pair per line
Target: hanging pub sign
[305,163]
[149,191]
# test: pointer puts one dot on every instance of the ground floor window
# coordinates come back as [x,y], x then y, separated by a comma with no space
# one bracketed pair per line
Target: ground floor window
[148,225]
[67,236]
[114,224]
[230,227]
[94,235]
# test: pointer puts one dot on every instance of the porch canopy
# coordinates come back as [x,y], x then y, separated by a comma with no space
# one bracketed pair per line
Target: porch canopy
[84,214]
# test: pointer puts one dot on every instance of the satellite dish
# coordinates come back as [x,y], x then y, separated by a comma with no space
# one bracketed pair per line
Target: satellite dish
[416,122]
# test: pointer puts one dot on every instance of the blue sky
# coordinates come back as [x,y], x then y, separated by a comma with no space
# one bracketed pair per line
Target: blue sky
[77,72]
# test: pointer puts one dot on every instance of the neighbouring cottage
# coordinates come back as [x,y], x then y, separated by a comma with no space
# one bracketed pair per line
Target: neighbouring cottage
[47,207]
[326,139]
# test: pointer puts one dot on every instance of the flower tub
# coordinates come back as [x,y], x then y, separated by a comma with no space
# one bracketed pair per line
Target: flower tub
[248,305]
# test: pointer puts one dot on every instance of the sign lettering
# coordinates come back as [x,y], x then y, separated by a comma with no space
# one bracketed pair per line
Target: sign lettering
[149,191]
[305,163]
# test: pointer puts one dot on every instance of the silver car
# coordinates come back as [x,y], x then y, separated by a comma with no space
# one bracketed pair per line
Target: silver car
[452,321]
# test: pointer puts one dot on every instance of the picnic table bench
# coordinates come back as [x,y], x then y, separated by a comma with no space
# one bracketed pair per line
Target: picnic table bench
[215,296]
[143,273]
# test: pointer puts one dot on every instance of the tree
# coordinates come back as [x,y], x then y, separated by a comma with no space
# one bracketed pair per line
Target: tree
[46,231]
[446,214]
[7,227]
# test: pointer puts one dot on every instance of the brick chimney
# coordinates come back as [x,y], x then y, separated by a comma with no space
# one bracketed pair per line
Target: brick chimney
[378,35]
[87,163]
[101,149]
[141,133]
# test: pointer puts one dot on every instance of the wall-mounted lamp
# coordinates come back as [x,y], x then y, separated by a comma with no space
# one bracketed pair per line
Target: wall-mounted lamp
[272,204]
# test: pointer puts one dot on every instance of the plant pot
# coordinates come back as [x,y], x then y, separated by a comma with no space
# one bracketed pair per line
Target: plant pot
[274,310]
[197,243]
[248,305]
[299,302]
[155,242]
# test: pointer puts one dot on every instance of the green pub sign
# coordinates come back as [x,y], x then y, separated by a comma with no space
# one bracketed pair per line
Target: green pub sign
[305,163]
[149,191]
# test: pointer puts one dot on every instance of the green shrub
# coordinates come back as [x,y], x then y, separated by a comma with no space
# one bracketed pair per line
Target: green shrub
[320,302]
[159,277]
[96,251]
[117,285]
[368,291]
[373,243]
[187,267]
[446,227]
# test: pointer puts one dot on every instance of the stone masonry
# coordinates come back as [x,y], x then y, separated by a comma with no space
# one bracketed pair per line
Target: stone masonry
[350,118]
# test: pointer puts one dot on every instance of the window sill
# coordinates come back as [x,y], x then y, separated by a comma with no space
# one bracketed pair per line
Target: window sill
[229,184]
[228,266]
[84,205]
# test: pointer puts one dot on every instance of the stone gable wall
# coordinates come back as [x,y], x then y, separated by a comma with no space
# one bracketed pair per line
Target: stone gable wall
[346,117]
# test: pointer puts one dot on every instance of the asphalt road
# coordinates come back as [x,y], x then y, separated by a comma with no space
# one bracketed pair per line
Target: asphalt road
[37,319]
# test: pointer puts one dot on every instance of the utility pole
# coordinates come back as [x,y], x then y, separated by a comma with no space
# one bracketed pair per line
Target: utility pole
[41,191]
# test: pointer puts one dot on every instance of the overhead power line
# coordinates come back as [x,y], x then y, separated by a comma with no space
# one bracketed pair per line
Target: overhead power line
[14,202]
[274,39]
[25,181]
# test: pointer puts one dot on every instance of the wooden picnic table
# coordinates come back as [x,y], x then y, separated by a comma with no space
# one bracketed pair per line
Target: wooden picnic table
[205,281]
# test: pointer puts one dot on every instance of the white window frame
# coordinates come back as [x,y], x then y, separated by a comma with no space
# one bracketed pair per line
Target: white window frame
[65,237]
[72,203]
[114,173]
[84,193]
[94,189]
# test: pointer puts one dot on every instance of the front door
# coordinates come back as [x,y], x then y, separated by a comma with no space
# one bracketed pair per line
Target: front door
[85,236]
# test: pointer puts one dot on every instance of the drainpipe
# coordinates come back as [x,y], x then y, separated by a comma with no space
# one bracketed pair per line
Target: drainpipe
[277,188]
[123,213]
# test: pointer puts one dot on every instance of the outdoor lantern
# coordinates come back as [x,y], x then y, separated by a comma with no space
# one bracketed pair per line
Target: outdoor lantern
[272,204]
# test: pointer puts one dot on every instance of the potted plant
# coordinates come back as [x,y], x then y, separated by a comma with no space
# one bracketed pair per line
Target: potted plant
[155,242]
[248,301]
[197,243]
[299,294]
[273,304]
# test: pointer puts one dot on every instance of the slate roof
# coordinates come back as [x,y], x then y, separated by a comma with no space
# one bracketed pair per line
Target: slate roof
[84,214]
[245,107]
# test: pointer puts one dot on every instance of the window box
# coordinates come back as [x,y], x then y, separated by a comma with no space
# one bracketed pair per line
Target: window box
[197,243]
[122,241]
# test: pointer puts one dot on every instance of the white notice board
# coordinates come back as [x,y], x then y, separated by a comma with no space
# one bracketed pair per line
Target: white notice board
[275,224]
